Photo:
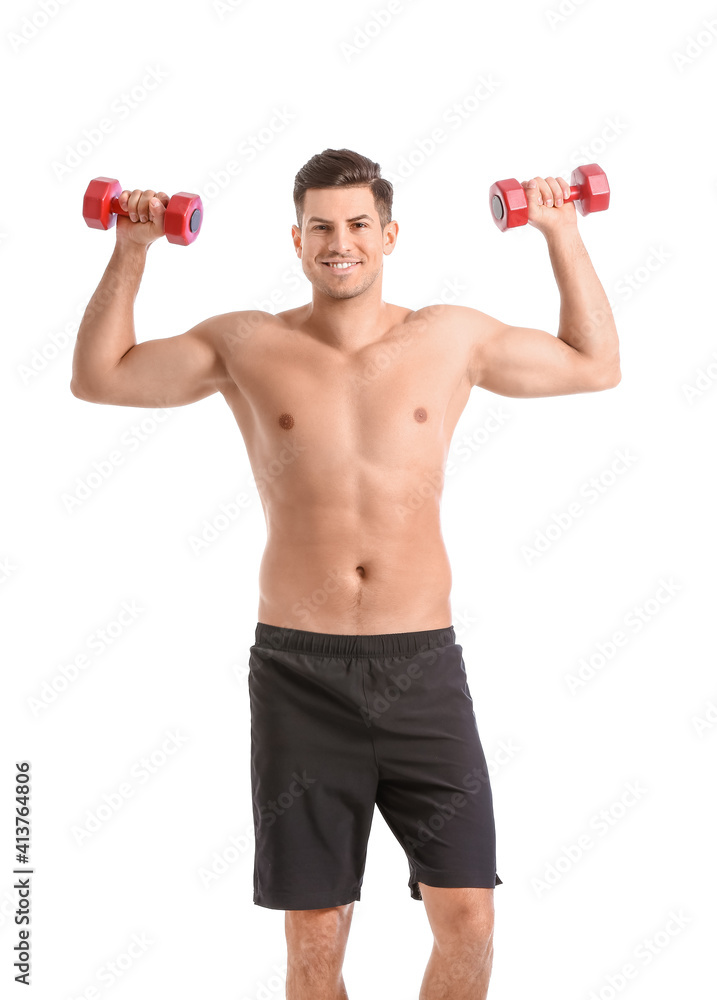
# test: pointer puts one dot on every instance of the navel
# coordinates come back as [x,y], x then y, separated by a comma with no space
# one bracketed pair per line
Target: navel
[420,414]
[286,421]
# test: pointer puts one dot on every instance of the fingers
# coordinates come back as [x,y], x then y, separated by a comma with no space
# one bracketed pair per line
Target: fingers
[129,201]
[157,206]
[564,187]
[558,191]
[535,190]
[547,191]
[140,205]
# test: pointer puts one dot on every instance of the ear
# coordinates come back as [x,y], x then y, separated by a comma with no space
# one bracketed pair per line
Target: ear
[390,235]
[296,238]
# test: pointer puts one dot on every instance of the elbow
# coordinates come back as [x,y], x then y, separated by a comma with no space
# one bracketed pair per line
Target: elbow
[614,377]
[607,374]
[608,380]
[76,390]
[81,392]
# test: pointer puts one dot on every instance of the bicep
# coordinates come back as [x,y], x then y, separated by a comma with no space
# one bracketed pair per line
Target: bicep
[170,371]
[522,361]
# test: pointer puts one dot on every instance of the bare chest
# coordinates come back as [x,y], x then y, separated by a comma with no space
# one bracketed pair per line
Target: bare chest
[390,403]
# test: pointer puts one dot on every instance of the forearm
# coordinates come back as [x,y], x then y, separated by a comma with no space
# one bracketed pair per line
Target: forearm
[586,320]
[106,332]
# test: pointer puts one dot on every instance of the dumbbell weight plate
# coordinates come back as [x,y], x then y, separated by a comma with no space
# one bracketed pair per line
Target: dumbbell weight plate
[595,190]
[508,196]
[183,218]
[96,210]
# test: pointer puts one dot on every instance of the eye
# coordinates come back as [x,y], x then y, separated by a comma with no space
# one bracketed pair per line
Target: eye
[321,226]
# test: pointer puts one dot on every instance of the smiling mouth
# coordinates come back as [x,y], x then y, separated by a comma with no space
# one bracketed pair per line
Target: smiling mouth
[341,267]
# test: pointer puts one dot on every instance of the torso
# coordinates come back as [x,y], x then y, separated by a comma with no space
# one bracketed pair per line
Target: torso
[348,454]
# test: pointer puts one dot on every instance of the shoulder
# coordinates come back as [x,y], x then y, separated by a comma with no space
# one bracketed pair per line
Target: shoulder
[467,332]
[232,331]
[459,318]
[462,323]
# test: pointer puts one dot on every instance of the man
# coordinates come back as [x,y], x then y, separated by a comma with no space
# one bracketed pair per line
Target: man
[357,687]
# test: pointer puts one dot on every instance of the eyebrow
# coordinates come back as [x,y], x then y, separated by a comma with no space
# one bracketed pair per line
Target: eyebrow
[315,218]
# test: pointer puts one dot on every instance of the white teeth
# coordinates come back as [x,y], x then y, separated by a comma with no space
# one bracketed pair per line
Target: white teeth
[349,264]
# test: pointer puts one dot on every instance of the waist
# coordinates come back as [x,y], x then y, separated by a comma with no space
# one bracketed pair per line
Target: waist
[340,563]
[351,646]
[351,587]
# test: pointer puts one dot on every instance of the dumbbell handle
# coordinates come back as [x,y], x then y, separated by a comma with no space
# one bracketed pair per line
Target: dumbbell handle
[116,209]
[576,192]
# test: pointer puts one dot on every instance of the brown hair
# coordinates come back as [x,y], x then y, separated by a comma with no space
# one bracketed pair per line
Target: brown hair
[343,167]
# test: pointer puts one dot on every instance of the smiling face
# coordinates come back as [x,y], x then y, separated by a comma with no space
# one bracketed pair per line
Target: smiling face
[340,226]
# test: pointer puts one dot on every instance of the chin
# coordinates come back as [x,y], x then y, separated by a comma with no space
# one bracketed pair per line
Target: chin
[335,291]
[346,293]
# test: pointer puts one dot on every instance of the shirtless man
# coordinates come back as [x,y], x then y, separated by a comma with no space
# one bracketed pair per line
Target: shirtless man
[357,687]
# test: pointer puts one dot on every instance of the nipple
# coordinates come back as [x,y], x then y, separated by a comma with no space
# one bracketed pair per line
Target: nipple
[420,414]
[286,421]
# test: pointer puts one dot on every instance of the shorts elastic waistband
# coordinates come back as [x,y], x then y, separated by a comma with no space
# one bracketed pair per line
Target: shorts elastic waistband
[330,644]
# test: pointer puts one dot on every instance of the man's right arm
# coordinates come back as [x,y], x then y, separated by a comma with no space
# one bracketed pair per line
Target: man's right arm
[110,367]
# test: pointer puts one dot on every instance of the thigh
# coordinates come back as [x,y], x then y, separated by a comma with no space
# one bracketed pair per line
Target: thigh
[434,789]
[314,780]
[460,916]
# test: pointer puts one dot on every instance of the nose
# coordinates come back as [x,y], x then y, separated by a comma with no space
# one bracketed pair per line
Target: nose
[340,241]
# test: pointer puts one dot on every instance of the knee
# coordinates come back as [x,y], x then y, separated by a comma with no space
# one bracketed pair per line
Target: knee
[476,936]
[470,935]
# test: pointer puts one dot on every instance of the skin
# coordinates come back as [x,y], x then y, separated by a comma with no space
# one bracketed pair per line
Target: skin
[347,406]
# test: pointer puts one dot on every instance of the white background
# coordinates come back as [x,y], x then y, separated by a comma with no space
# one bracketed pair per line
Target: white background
[616,83]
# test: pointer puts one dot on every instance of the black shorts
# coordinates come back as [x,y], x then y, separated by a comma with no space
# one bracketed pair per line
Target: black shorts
[340,723]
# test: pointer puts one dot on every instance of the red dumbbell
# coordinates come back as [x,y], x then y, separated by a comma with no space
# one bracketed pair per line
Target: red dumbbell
[589,190]
[182,219]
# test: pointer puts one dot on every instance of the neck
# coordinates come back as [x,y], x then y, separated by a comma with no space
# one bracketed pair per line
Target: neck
[348,324]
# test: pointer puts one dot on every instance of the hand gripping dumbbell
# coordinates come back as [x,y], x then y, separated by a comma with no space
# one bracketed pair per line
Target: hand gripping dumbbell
[589,190]
[182,218]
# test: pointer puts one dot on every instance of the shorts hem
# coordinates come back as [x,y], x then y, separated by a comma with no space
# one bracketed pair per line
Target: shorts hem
[306,900]
[462,879]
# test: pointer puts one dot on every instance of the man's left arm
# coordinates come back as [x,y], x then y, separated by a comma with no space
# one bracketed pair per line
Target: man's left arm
[520,361]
